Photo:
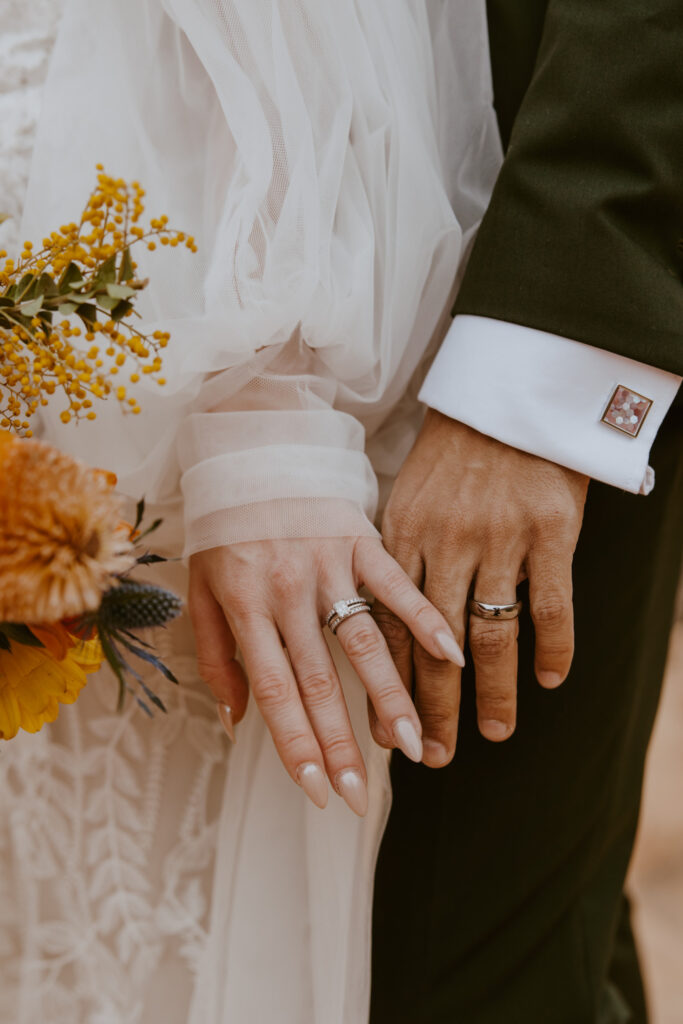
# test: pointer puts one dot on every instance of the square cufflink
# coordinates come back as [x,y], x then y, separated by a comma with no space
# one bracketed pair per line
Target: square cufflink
[626,411]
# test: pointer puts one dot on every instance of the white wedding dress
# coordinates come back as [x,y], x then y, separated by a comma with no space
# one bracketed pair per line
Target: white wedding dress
[333,159]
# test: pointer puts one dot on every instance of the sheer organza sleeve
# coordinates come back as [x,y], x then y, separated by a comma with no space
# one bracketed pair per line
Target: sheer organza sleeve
[332,161]
[274,458]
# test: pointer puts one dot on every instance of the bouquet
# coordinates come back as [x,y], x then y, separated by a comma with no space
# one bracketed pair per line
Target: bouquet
[67,599]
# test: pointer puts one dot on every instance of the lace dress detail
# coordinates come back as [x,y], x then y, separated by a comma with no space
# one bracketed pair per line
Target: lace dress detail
[110,893]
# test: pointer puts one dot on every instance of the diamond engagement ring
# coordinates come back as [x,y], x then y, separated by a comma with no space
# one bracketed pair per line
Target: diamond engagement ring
[344,610]
[495,611]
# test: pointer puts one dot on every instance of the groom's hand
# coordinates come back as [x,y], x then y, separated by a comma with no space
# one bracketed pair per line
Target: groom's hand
[471,517]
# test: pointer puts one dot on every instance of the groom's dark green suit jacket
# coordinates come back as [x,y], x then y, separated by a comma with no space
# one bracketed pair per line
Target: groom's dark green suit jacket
[584,233]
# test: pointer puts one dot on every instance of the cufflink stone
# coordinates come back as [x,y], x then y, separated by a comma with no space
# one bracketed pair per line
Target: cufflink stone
[626,411]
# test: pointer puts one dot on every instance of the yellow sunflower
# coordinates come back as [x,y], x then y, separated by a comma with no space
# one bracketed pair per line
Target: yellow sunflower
[33,683]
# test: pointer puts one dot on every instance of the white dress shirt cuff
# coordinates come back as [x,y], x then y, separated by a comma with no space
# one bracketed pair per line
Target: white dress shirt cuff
[547,395]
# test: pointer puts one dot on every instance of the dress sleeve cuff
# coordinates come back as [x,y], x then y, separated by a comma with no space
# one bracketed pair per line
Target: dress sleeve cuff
[274,474]
[592,411]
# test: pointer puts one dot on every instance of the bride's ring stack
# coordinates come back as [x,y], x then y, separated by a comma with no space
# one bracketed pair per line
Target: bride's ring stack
[344,610]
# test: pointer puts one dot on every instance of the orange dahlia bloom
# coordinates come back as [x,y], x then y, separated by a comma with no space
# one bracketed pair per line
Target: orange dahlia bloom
[33,683]
[61,534]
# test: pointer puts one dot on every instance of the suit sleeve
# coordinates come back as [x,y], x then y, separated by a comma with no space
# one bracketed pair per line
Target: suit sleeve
[584,234]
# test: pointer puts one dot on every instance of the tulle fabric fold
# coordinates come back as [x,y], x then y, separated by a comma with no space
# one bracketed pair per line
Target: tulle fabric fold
[332,161]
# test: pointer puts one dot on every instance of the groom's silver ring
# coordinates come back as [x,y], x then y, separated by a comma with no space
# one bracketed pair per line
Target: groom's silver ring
[344,610]
[494,611]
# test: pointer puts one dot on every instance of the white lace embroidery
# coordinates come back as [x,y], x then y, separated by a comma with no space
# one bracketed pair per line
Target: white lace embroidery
[103,895]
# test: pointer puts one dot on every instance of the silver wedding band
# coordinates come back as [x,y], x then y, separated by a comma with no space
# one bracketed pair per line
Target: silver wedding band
[494,611]
[342,610]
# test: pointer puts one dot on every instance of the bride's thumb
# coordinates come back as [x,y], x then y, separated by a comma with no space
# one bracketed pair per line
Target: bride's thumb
[216,650]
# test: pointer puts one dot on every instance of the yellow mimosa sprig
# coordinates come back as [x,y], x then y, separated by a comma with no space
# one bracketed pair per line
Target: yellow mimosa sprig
[86,271]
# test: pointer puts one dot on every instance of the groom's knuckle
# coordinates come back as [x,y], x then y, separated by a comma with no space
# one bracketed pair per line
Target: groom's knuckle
[499,701]
[437,717]
[446,524]
[489,642]
[400,523]
[551,518]
[551,610]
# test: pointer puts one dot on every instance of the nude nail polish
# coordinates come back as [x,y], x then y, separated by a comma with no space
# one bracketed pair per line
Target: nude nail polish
[408,739]
[450,650]
[225,718]
[312,780]
[351,787]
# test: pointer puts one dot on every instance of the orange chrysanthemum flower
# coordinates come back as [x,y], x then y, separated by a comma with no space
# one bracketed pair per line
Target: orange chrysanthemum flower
[33,683]
[61,534]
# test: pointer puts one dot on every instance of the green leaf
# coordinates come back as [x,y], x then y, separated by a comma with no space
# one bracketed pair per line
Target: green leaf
[145,707]
[120,291]
[27,287]
[46,285]
[139,513]
[88,314]
[19,634]
[107,272]
[67,308]
[122,309]
[150,529]
[116,664]
[71,278]
[32,307]
[106,302]
[150,559]
[126,271]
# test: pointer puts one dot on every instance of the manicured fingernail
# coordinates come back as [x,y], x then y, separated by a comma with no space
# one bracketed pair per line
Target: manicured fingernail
[435,754]
[494,730]
[408,739]
[351,787]
[450,650]
[549,679]
[225,716]
[312,780]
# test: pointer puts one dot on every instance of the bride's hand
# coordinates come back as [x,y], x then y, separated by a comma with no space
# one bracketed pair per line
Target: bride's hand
[266,595]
